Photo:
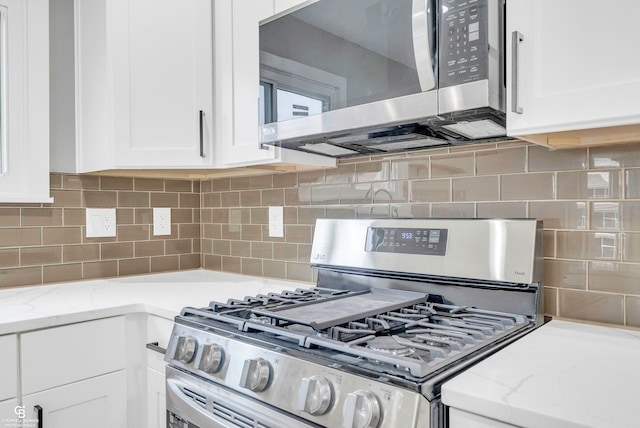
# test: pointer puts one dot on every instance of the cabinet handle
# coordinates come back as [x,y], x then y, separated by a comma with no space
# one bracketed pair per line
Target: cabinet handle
[38,410]
[516,38]
[201,133]
[155,347]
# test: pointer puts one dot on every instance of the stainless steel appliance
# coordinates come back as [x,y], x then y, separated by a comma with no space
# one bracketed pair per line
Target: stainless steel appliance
[344,78]
[400,306]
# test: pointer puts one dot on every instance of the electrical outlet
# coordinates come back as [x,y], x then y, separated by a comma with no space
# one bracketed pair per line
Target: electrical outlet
[276,222]
[161,221]
[101,222]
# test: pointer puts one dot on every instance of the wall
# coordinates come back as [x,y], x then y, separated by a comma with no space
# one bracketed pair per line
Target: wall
[45,243]
[589,200]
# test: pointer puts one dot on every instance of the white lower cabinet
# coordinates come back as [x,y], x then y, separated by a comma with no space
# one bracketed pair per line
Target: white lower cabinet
[9,411]
[90,374]
[461,419]
[9,367]
[76,374]
[99,402]
[156,399]
[158,331]
[62,355]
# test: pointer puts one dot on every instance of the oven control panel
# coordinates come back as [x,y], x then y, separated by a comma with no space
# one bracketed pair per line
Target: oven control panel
[432,242]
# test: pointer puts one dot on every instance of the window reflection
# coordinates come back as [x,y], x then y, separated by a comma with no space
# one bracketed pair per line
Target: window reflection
[581,207]
[608,245]
[604,161]
[599,184]
[292,105]
[605,215]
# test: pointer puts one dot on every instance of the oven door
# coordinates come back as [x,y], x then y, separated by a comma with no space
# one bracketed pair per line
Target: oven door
[196,403]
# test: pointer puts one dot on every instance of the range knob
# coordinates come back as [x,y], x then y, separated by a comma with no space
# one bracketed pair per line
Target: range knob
[361,410]
[255,374]
[315,395]
[212,358]
[186,349]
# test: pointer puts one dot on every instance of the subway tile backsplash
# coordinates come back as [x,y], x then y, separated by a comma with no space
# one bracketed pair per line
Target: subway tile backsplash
[589,200]
[46,243]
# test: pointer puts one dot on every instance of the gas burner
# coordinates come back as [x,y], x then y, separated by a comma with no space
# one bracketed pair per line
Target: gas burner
[441,337]
[441,341]
[260,320]
[389,345]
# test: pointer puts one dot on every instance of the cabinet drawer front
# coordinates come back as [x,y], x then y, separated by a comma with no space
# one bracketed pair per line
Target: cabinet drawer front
[61,355]
[99,402]
[9,367]
[8,412]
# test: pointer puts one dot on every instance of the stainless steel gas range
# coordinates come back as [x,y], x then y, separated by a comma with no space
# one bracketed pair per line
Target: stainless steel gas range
[400,307]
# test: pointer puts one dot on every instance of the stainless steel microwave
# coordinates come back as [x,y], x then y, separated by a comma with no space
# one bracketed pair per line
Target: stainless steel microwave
[344,78]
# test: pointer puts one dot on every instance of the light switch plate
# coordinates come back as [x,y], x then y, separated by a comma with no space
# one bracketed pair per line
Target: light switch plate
[276,222]
[101,222]
[161,221]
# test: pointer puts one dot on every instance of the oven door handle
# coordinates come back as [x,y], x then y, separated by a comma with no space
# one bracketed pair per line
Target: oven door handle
[224,406]
[189,409]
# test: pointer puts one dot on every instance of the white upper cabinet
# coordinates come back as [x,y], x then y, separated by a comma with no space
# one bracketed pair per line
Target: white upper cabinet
[24,101]
[236,70]
[237,79]
[572,65]
[163,77]
[142,74]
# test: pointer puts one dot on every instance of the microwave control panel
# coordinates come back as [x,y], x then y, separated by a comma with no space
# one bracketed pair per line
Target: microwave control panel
[463,41]
[432,242]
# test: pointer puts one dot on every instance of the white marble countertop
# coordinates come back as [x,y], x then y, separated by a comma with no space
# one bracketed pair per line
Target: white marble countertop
[564,374]
[165,294]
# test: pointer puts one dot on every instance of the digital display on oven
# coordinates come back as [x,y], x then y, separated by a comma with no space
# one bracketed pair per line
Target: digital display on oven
[431,242]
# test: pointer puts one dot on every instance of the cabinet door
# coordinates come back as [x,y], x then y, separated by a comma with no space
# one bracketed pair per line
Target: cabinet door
[237,76]
[9,412]
[99,402]
[577,65]
[163,76]
[237,79]
[462,419]
[24,101]
[9,367]
[82,350]
[156,399]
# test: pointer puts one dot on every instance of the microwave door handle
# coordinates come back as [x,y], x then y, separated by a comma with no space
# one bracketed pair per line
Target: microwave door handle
[422,30]
[516,39]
